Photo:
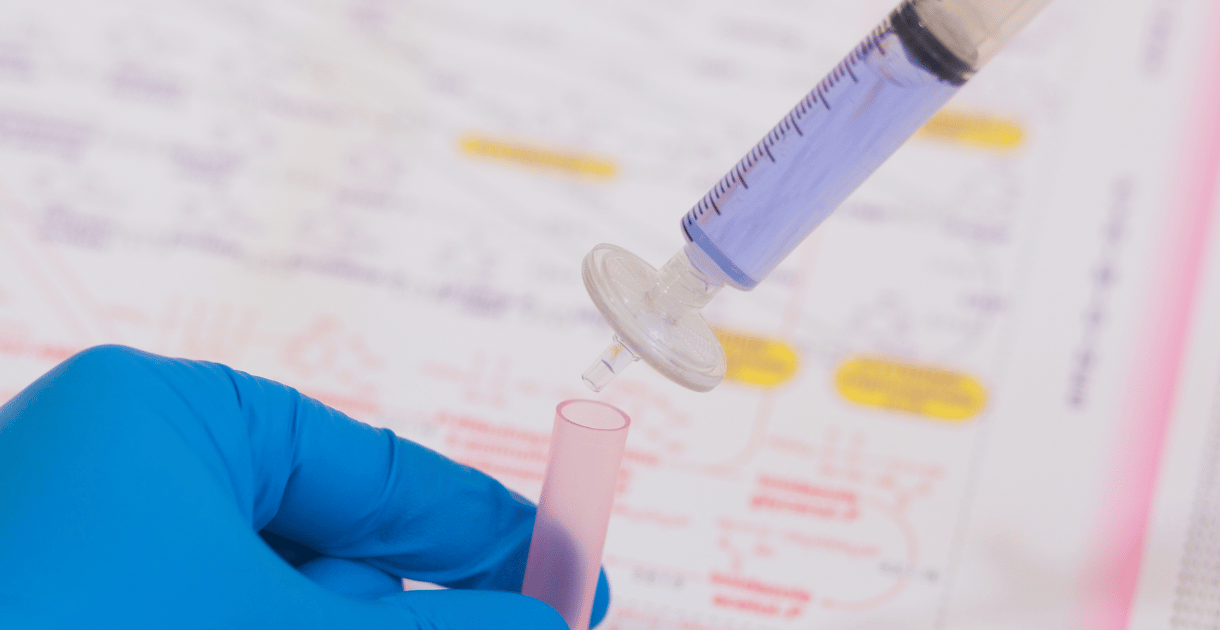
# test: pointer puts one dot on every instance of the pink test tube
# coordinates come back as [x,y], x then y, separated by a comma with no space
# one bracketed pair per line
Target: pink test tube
[574,510]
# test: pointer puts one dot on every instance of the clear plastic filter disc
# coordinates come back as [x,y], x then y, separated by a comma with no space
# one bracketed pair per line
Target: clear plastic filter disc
[655,316]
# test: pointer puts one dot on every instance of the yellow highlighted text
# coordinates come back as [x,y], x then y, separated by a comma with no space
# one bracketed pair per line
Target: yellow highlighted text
[973,129]
[912,388]
[757,360]
[539,157]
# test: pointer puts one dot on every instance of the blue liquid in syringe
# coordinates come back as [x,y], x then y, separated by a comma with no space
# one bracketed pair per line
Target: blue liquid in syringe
[823,149]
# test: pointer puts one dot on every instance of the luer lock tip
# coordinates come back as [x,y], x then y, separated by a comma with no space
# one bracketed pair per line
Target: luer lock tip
[614,360]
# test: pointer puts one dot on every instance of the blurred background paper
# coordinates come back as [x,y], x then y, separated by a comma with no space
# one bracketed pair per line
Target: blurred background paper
[982,395]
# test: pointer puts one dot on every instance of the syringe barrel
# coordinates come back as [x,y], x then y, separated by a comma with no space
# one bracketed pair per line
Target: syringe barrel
[843,130]
[975,30]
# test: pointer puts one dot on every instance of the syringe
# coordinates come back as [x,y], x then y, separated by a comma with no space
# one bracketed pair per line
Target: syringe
[855,118]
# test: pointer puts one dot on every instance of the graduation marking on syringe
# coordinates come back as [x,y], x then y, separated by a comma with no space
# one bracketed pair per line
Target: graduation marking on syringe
[722,192]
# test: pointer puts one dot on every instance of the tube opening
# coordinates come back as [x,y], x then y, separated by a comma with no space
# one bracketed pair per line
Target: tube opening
[592,414]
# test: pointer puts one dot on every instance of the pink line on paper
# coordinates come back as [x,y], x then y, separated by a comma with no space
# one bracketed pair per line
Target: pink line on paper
[1169,320]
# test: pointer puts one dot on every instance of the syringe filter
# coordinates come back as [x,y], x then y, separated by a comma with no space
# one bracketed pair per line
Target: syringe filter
[655,316]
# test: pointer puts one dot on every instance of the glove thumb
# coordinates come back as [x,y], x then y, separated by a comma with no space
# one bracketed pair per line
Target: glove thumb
[457,609]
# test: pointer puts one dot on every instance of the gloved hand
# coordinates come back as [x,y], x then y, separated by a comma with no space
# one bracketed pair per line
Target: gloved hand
[134,488]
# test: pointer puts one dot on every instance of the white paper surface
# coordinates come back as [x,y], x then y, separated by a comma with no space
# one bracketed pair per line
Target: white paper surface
[385,205]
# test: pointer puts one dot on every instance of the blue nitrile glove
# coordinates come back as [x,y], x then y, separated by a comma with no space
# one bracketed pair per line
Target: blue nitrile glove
[134,489]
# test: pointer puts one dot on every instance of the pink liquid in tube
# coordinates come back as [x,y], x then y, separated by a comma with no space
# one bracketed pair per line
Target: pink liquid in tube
[574,510]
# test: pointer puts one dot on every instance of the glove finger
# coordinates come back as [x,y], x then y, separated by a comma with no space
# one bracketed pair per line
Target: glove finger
[310,474]
[351,577]
[348,490]
[359,579]
[476,610]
